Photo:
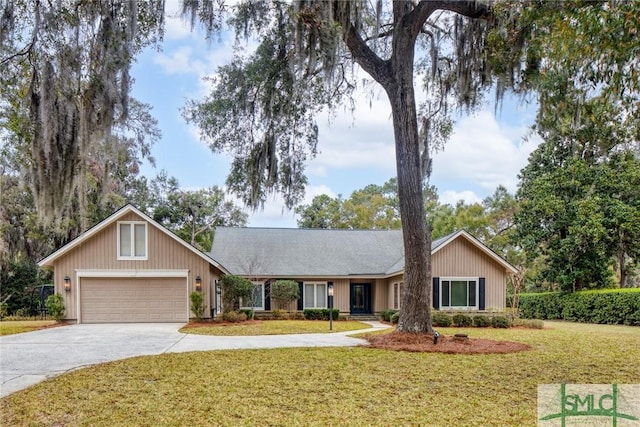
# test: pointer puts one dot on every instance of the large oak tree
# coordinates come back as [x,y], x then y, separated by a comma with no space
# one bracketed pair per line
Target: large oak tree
[262,106]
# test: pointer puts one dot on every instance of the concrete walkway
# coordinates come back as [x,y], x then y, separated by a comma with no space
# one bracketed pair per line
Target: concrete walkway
[32,357]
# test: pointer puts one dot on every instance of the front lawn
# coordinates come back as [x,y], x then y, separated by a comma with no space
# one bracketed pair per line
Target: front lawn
[10,327]
[334,386]
[272,327]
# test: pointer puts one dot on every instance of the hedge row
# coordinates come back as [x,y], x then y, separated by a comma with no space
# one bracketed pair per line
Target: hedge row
[440,319]
[609,306]
[320,313]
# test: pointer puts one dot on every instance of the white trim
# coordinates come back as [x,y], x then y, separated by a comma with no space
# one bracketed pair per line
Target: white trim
[132,273]
[459,307]
[133,256]
[79,274]
[315,294]
[48,261]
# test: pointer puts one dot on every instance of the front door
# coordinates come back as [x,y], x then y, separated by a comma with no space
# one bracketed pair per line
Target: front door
[360,298]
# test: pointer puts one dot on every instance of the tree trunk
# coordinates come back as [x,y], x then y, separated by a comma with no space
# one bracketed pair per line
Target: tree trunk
[415,315]
[623,269]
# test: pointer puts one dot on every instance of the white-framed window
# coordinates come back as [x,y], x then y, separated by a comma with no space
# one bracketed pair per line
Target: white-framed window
[459,293]
[132,240]
[315,295]
[256,301]
[398,294]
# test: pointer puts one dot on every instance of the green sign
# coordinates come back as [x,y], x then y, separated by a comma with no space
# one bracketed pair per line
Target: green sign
[589,404]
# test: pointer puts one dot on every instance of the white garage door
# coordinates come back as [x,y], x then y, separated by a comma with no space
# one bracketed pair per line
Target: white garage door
[105,300]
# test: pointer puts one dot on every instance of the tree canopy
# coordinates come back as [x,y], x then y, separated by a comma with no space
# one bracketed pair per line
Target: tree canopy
[71,126]
[262,106]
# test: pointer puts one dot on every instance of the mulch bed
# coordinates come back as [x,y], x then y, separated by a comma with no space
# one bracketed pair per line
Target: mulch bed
[406,341]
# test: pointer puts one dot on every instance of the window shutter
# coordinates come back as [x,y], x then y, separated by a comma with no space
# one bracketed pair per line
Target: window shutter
[301,288]
[481,292]
[267,296]
[436,293]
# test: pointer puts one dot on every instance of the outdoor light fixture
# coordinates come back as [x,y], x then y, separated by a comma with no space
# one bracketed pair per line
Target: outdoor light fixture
[67,283]
[198,283]
[330,293]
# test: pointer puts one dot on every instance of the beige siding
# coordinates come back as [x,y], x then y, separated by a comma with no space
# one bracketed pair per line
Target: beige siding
[341,294]
[379,295]
[99,253]
[461,258]
[395,279]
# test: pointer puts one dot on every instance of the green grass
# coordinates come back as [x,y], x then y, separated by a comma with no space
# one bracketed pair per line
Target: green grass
[275,327]
[333,386]
[19,326]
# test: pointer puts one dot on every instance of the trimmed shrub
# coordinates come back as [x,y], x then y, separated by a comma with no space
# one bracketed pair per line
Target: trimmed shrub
[480,321]
[247,312]
[55,307]
[235,288]
[500,322]
[4,309]
[386,314]
[279,314]
[284,291]
[441,319]
[607,306]
[233,316]
[462,320]
[197,305]
[320,313]
[395,317]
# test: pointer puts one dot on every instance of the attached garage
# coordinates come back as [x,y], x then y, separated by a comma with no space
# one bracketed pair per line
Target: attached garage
[146,300]
[129,268]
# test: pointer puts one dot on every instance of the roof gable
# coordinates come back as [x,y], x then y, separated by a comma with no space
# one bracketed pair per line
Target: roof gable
[119,214]
[444,241]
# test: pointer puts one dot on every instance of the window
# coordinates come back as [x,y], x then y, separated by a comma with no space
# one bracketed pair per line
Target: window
[132,240]
[458,293]
[256,301]
[398,294]
[315,295]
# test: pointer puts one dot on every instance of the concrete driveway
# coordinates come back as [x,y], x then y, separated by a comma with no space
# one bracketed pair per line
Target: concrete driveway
[28,358]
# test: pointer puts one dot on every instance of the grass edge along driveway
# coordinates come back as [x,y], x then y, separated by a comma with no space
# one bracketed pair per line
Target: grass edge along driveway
[341,386]
[10,327]
[272,327]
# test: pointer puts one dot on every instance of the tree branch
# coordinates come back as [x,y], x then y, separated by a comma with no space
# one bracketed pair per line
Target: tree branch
[370,62]
[470,8]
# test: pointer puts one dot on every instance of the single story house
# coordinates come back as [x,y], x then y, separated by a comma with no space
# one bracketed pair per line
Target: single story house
[365,268]
[129,268]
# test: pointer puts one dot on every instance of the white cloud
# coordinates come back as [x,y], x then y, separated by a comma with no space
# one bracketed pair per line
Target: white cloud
[275,214]
[484,153]
[180,61]
[364,139]
[176,28]
[452,197]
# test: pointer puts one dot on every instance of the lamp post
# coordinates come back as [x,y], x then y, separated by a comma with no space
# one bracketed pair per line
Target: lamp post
[330,293]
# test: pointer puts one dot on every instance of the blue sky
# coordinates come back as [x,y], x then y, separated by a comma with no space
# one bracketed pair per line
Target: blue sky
[484,151]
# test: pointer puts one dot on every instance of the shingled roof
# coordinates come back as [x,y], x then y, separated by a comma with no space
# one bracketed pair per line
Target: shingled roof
[295,252]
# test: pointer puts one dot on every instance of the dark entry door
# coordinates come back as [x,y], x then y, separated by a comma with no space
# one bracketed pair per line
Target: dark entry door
[360,298]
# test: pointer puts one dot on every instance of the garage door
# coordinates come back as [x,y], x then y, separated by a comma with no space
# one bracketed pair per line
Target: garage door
[105,300]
